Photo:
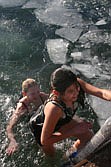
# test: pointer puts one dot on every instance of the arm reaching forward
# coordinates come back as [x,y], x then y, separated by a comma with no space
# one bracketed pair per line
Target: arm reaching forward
[13,145]
[90,89]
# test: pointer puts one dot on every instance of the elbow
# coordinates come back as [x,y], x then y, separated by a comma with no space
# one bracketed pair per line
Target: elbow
[44,142]
[44,138]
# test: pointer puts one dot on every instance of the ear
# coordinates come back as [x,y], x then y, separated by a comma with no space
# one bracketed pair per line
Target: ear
[55,92]
[23,93]
[78,88]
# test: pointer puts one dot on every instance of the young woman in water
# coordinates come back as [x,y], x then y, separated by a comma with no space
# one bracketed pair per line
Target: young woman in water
[56,120]
[31,99]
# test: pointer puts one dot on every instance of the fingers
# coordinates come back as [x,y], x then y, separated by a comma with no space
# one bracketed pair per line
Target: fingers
[11,149]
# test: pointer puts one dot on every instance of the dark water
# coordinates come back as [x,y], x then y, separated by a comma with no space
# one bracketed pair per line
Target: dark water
[23,54]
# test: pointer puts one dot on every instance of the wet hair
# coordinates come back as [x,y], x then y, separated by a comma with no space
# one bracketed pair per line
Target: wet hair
[62,78]
[28,83]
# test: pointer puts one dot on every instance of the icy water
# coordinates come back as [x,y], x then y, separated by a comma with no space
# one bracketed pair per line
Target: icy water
[38,36]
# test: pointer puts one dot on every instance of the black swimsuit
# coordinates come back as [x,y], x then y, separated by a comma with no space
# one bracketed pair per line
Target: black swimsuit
[37,120]
[30,115]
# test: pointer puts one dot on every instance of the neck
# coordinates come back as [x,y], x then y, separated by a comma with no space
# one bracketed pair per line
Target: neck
[69,104]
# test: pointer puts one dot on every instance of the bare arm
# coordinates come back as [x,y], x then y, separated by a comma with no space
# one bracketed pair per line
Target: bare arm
[48,136]
[90,89]
[52,115]
[13,145]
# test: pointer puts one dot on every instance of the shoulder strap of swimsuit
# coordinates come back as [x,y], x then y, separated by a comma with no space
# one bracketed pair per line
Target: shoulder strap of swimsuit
[55,100]
[57,104]
[42,99]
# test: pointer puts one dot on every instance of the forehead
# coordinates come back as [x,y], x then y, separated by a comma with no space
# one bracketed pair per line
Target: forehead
[73,86]
[33,88]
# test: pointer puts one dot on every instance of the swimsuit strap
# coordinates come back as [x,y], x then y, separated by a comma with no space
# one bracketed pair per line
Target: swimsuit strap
[57,101]
[42,99]
[58,104]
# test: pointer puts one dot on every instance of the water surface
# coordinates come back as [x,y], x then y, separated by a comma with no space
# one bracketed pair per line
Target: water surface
[23,54]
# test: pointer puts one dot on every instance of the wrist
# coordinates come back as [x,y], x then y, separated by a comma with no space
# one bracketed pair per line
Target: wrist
[12,140]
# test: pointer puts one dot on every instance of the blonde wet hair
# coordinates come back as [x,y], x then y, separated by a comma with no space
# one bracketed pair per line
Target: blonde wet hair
[28,83]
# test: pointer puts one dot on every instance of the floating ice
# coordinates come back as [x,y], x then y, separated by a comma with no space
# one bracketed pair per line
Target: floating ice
[86,69]
[71,34]
[101,107]
[57,49]
[12,3]
[96,36]
[35,4]
[57,14]
[101,22]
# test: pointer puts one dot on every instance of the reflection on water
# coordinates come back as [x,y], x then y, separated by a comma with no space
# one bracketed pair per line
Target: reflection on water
[23,54]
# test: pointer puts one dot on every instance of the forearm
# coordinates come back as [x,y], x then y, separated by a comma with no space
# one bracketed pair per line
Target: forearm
[54,138]
[90,89]
[11,124]
[13,145]
[48,144]
[10,133]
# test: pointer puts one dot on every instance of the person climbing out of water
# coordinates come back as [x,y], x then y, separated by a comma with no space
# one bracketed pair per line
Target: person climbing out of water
[56,119]
[31,99]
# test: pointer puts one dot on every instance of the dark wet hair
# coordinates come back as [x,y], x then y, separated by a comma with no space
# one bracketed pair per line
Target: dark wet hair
[62,78]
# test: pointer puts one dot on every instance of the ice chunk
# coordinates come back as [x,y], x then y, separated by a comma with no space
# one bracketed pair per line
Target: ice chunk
[101,107]
[59,15]
[86,69]
[77,55]
[57,49]
[71,34]
[35,4]
[101,22]
[96,36]
[12,3]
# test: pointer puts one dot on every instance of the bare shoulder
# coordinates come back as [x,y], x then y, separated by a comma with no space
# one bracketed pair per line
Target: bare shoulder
[53,109]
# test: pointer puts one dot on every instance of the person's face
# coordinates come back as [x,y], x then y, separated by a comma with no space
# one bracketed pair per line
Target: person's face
[71,93]
[33,93]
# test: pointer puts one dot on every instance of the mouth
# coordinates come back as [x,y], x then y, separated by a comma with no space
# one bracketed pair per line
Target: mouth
[75,98]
